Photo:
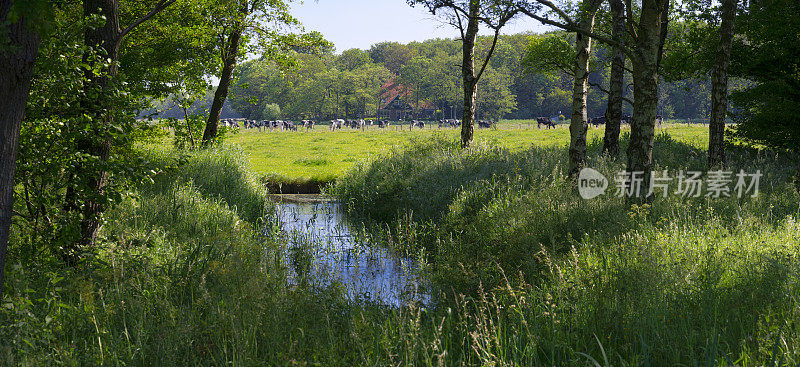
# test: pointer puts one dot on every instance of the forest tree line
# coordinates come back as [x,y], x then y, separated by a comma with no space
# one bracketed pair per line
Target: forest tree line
[523,80]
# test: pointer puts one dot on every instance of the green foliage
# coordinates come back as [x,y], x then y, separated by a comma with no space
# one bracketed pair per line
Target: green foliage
[550,53]
[187,132]
[391,54]
[54,168]
[352,59]
[271,112]
[494,96]
[536,72]
[769,110]
[171,54]
[315,87]
[188,233]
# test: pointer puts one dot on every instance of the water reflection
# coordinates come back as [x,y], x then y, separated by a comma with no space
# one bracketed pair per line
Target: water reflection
[335,251]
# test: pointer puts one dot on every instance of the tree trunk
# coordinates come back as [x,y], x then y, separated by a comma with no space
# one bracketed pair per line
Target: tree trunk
[578,120]
[97,104]
[105,42]
[719,86]
[228,65]
[645,103]
[16,72]
[616,83]
[470,83]
[649,44]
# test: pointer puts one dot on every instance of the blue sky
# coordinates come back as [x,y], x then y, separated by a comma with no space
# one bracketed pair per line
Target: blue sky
[362,23]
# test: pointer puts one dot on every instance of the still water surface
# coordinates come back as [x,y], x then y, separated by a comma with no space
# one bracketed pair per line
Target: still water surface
[341,253]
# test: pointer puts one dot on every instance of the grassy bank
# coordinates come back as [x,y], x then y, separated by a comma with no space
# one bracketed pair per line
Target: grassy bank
[189,271]
[684,280]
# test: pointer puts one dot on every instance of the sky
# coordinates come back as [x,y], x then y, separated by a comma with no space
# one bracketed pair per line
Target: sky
[362,23]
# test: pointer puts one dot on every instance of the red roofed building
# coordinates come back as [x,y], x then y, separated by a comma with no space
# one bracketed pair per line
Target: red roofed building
[397,103]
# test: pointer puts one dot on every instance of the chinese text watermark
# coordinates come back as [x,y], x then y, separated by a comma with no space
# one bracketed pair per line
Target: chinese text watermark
[714,184]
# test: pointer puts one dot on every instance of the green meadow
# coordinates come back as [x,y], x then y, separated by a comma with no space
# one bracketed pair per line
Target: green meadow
[324,155]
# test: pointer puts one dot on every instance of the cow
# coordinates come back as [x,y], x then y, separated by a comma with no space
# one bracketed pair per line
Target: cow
[308,124]
[599,120]
[336,124]
[546,121]
[419,124]
[383,124]
[288,125]
[449,123]
[484,124]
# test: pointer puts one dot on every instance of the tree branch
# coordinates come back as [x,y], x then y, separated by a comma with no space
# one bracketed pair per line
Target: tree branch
[489,54]
[629,20]
[570,27]
[161,5]
[606,91]
[558,11]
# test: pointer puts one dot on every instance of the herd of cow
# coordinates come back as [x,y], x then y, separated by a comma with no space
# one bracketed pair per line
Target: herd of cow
[626,119]
[600,120]
[338,124]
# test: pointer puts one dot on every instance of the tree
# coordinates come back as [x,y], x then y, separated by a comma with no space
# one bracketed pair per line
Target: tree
[260,82]
[101,67]
[768,111]
[413,76]
[393,55]
[17,56]
[616,84]
[494,97]
[579,123]
[467,16]
[352,59]
[648,34]
[444,90]
[271,112]
[719,86]
[239,21]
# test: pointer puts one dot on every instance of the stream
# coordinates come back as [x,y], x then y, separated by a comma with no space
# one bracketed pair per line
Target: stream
[334,251]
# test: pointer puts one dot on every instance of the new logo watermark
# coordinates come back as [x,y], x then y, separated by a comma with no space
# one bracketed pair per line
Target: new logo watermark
[714,184]
[591,183]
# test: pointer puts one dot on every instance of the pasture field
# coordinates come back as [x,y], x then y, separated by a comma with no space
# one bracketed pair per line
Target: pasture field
[324,155]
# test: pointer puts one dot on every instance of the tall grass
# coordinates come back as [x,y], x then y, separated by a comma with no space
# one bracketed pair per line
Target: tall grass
[681,280]
[191,271]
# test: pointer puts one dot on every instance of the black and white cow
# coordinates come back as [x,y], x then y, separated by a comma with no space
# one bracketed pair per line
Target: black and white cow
[546,121]
[336,124]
